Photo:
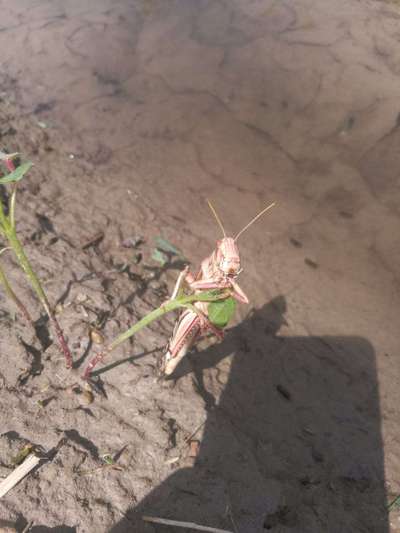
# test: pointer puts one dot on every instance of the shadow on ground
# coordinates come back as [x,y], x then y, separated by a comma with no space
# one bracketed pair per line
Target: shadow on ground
[294,443]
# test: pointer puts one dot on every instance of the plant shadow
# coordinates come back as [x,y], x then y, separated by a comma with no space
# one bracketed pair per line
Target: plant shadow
[293,444]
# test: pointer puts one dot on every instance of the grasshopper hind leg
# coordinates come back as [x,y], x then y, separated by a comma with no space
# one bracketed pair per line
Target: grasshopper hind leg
[185,333]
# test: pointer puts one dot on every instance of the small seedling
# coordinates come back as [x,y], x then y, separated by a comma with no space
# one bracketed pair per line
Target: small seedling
[394,504]
[9,232]
[109,462]
[164,251]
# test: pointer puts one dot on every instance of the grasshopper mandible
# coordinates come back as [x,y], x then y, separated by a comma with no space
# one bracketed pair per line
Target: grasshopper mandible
[218,271]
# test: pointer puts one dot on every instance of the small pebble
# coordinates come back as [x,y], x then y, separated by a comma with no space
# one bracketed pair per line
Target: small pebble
[137,258]
[86,398]
[310,263]
[295,242]
[96,336]
[194,448]
[284,392]
[80,298]
[172,460]
[133,242]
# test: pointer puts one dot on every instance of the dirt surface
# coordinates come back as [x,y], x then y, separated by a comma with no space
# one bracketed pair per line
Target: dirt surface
[134,113]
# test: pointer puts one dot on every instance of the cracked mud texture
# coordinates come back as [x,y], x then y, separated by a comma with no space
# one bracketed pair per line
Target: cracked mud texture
[151,107]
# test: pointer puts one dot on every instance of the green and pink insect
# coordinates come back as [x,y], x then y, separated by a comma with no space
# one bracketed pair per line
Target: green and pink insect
[218,271]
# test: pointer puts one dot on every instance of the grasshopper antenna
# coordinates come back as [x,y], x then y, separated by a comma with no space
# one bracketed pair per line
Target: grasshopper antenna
[253,220]
[216,217]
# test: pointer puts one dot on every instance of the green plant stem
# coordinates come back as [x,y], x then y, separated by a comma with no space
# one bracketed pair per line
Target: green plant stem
[394,503]
[12,204]
[15,244]
[3,219]
[181,301]
[26,266]
[11,294]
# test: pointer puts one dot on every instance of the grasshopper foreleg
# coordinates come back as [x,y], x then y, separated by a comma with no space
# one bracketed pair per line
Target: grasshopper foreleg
[179,282]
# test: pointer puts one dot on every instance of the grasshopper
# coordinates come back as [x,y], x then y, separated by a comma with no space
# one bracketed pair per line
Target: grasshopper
[218,271]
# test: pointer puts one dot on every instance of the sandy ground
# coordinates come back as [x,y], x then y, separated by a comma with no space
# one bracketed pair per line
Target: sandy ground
[134,113]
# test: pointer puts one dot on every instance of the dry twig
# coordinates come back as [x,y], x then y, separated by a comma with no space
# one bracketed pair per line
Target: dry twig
[189,525]
[19,473]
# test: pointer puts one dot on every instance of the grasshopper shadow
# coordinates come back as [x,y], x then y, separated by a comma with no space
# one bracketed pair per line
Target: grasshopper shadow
[293,444]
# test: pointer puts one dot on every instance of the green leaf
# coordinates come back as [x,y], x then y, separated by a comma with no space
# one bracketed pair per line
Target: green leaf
[108,459]
[160,257]
[221,312]
[17,174]
[212,295]
[166,246]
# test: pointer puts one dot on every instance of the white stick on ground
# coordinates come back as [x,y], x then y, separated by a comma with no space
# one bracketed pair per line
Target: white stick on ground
[19,473]
[189,525]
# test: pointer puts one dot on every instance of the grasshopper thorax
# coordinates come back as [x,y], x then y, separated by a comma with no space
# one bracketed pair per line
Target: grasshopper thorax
[227,257]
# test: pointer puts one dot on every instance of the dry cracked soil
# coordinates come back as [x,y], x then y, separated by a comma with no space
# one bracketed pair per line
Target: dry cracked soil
[135,112]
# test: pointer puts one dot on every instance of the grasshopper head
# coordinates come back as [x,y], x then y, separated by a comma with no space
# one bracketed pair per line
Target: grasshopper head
[228,259]
[227,253]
